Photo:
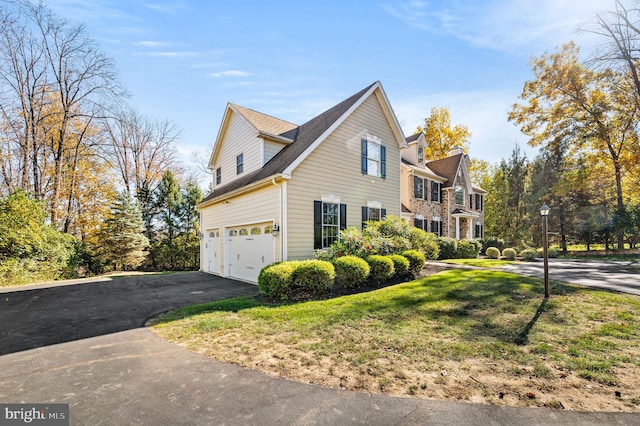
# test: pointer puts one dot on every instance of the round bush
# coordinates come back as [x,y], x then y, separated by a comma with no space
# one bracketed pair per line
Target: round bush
[553,252]
[509,254]
[416,260]
[276,280]
[313,276]
[381,267]
[529,255]
[467,249]
[351,271]
[492,253]
[400,265]
[448,248]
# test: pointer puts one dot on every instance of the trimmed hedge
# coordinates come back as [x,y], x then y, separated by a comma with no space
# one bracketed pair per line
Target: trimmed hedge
[276,280]
[416,260]
[448,248]
[313,276]
[509,253]
[283,280]
[382,268]
[400,265]
[351,271]
[492,252]
[468,249]
[529,255]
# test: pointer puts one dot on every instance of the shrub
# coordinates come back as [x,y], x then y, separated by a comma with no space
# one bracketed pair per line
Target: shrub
[509,253]
[467,249]
[276,280]
[553,252]
[381,268]
[492,252]
[400,265]
[492,242]
[313,276]
[448,248]
[528,255]
[351,271]
[416,260]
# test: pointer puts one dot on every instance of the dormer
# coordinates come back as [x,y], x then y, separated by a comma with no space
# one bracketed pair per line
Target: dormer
[246,141]
[414,154]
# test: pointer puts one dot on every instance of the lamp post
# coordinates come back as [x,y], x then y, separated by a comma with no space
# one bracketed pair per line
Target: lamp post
[544,212]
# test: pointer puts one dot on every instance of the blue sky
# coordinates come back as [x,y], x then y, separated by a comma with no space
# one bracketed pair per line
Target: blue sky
[184,60]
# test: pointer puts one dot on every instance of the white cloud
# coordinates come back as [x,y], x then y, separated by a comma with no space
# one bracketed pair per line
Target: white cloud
[229,73]
[174,54]
[152,43]
[505,25]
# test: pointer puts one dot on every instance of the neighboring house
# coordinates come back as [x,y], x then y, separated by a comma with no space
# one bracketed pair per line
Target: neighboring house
[438,196]
[281,191]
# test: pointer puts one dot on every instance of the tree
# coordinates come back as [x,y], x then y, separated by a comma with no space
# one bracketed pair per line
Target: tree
[441,137]
[588,111]
[124,242]
[169,201]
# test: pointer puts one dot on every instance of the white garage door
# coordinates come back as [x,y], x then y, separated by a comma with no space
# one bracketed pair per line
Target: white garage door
[213,252]
[250,249]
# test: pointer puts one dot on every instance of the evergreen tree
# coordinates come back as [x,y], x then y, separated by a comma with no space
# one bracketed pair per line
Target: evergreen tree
[124,242]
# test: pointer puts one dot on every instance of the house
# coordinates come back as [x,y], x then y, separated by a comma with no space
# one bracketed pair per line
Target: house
[438,196]
[281,190]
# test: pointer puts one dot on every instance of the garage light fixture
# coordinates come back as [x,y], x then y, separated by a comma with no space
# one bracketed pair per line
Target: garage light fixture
[275,229]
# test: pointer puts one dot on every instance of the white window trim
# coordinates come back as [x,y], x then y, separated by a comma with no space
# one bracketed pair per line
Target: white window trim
[374,205]
[330,198]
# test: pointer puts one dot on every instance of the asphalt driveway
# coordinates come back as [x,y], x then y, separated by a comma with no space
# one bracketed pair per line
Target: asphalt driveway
[44,315]
[610,275]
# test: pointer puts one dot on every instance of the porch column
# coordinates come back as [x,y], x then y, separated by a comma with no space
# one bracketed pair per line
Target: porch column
[457,227]
[470,235]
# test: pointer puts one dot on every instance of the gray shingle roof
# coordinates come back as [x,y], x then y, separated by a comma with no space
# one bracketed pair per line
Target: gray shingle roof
[446,167]
[303,137]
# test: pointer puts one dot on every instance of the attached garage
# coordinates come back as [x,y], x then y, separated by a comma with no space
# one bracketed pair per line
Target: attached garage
[249,249]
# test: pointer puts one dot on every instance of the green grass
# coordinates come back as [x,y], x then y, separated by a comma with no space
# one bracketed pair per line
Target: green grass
[482,263]
[478,323]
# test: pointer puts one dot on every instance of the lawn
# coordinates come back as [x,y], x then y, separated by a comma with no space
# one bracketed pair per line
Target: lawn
[478,336]
[482,263]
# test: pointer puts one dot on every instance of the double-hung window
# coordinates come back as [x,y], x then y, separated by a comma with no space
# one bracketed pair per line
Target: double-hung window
[239,164]
[479,202]
[218,176]
[436,189]
[372,213]
[374,157]
[436,227]
[458,195]
[479,228]
[418,187]
[329,218]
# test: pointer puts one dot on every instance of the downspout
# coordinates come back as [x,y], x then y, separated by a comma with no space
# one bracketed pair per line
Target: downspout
[282,225]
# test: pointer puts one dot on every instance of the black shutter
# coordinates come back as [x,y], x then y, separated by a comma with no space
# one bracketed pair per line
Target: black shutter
[470,201]
[364,156]
[441,194]
[383,162]
[417,223]
[317,224]
[383,213]
[417,182]
[343,216]
[365,215]
[426,189]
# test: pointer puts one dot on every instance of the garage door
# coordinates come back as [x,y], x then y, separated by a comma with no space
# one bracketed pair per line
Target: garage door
[213,252]
[251,248]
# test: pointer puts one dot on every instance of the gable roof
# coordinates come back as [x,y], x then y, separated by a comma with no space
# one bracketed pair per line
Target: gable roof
[263,122]
[446,167]
[304,137]
[413,138]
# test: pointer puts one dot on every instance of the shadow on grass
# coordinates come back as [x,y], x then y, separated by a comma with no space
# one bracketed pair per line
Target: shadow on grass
[523,337]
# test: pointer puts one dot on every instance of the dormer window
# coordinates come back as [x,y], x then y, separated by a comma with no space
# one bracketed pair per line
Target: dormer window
[239,164]
[420,155]
[458,195]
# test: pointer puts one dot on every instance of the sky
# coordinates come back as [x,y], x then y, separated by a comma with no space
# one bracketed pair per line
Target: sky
[184,60]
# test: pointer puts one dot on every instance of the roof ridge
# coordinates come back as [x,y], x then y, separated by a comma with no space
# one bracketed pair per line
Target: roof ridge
[247,112]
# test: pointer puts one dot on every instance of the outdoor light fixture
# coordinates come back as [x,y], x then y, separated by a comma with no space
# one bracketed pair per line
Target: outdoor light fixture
[275,229]
[544,212]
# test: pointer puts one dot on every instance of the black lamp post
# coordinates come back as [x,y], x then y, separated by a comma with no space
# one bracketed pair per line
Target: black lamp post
[544,212]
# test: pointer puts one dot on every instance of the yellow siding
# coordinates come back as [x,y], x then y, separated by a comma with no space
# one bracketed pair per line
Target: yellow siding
[258,207]
[239,138]
[335,168]
[271,149]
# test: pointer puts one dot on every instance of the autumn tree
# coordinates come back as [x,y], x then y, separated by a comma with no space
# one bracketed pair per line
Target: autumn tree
[587,110]
[441,136]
